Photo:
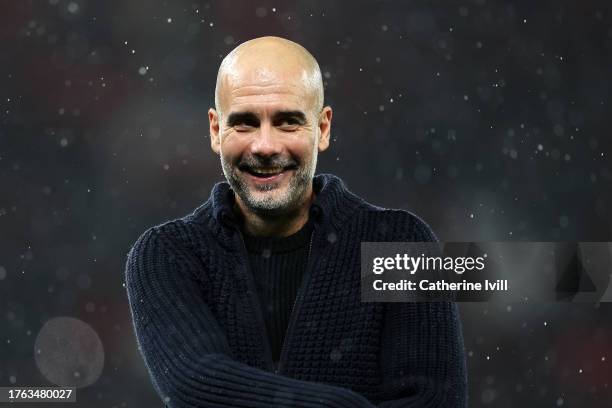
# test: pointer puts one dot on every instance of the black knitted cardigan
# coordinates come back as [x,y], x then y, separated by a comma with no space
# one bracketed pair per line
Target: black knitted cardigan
[199,326]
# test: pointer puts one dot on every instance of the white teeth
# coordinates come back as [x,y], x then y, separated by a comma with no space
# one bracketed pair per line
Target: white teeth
[267,171]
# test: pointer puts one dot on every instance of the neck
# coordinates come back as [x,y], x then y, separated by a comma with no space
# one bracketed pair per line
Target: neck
[277,225]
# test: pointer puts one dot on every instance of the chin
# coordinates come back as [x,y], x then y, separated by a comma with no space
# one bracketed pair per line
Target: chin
[271,202]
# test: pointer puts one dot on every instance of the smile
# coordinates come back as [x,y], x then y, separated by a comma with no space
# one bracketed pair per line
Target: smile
[266,175]
[265,172]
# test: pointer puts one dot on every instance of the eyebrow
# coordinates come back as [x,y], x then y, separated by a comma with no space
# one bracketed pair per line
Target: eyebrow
[250,118]
[236,118]
[283,115]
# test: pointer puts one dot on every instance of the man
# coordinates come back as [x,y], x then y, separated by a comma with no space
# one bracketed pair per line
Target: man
[253,300]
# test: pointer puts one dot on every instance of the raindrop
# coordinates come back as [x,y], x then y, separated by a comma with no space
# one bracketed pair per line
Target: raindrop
[332,237]
[73,7]
[335,355]
[68,352]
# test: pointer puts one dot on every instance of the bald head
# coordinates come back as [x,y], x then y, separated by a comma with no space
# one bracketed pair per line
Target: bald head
[267,61]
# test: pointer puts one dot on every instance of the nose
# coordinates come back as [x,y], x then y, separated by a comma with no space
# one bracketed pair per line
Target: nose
[265,143]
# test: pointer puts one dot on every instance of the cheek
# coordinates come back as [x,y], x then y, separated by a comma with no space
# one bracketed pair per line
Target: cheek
[232,148]
[302,146]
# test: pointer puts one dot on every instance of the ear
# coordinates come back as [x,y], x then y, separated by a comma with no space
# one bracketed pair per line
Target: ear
[213,121]
[325,118]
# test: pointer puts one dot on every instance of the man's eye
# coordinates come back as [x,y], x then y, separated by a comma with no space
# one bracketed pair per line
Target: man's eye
[242,127]
[289,125]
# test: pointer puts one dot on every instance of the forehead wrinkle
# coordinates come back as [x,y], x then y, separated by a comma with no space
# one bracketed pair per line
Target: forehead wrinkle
[284,95]
[264,108]
[265,99]
[266,89]
[244,86]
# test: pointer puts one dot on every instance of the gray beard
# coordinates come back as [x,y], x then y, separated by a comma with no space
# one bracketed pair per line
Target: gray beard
[272,206]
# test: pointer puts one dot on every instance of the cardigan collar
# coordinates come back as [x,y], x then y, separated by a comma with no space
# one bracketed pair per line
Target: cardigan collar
[333,203]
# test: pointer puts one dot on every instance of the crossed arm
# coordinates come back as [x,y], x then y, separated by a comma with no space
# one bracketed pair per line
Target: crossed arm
[190,362]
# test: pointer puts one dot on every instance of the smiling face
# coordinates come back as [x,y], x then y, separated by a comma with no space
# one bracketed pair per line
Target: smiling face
[269,125]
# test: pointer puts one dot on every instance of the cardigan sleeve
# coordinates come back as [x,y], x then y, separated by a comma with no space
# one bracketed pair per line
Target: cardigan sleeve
[185,349]
[423,356]
[423,352]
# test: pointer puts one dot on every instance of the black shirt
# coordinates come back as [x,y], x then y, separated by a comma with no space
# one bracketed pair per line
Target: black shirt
[278,265]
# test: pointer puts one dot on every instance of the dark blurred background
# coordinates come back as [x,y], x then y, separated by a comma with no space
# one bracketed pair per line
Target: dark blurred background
[489,119]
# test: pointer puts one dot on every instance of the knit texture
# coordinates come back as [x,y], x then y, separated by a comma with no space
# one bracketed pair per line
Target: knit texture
[278,265]
[202,335]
